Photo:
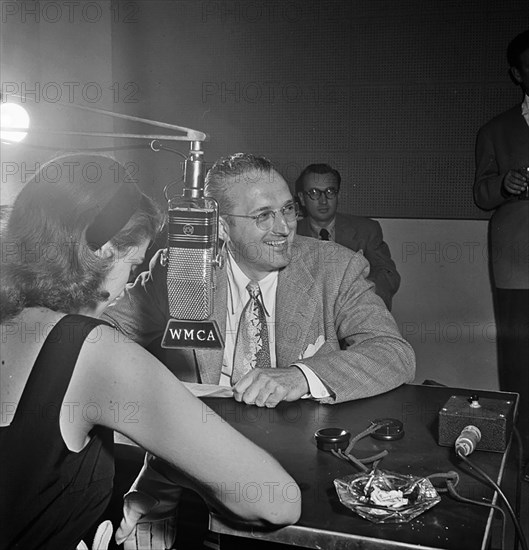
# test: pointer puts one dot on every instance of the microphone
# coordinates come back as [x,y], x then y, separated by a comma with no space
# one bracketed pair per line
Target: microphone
[191,243]
[468,440]
[191,259]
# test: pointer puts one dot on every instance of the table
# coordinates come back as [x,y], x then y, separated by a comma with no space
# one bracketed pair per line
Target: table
[287,432]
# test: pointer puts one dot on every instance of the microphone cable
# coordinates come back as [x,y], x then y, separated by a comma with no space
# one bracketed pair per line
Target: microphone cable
[496,487]
[451,480]
[518,496]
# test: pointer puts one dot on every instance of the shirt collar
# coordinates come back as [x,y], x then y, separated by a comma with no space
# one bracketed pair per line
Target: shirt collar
[316,228]
[237,282]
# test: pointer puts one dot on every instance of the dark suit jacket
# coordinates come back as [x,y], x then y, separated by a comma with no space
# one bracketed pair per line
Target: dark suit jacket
[360,233]
[321,293]
[501,145]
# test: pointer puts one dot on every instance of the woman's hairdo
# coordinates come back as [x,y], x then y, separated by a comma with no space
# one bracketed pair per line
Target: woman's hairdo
[72,206]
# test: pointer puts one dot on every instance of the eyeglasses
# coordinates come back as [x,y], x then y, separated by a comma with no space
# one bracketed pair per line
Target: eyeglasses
[265,220]
[315,193]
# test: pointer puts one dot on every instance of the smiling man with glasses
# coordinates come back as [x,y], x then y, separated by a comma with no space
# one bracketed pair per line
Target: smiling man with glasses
[317,188]
[316,348]
[298,317]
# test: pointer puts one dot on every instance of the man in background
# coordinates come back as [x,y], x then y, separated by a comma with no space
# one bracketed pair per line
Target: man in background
[317,188]
[501,184]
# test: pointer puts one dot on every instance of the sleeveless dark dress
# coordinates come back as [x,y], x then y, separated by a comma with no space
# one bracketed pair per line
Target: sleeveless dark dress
[49,495]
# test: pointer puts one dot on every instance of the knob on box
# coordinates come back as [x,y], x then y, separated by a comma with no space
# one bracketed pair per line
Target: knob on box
[493,417]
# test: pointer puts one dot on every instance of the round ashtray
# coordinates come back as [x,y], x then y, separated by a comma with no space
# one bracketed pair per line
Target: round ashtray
[332,439]
[391,430]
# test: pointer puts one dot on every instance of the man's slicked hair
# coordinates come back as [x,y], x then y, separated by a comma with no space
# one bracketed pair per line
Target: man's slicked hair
[227,171]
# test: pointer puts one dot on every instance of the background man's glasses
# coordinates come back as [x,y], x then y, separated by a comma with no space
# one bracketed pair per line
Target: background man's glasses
[315,193]
[265,220]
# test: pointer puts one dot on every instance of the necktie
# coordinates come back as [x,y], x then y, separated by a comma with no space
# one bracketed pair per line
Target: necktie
[252,348]
[324,234]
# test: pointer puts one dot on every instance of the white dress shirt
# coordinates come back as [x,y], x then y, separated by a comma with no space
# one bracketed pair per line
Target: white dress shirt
[237,298]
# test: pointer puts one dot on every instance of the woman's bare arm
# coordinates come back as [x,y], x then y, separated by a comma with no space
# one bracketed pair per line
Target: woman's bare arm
[137,396]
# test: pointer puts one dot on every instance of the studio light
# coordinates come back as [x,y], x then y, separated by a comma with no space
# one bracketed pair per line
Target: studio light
[13,116]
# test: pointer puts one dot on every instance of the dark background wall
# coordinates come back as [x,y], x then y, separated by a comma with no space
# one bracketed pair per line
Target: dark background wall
[389,92]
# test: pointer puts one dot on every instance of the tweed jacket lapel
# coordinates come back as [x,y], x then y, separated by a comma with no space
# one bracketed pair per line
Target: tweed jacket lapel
[295,310]
[303,227]
[209,362]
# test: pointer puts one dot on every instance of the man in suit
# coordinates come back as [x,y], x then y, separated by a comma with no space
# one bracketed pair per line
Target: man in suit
[302,281]
[317,188]
[501,184]
[329,337]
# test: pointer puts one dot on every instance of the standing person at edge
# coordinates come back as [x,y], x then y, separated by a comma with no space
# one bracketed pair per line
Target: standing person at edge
[68,249]
[317,188]
[501,184]
[328,336]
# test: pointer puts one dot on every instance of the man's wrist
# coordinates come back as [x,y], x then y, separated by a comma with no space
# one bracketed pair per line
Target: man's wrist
[315,387]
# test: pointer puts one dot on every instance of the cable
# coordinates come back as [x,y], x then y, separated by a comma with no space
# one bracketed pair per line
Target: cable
[489,480]
[159,147]
[359,462]
[518,496]
[450,487]
[451,476]
[350,458]
[451,480]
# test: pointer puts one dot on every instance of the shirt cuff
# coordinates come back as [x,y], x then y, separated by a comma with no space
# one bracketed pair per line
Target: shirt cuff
[317,389]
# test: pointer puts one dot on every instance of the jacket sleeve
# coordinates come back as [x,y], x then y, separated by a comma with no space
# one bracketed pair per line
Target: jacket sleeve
[366,354]
[142,311]
[488,179]
[383,271]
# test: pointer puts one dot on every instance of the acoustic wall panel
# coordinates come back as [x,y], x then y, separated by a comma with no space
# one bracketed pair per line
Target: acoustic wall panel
[390,92]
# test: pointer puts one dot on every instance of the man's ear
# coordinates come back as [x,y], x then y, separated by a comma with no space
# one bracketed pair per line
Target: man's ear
[224,230]
[516,77]
[301,198]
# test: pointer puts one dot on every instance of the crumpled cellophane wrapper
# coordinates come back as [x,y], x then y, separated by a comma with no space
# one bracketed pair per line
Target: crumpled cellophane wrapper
[386,497]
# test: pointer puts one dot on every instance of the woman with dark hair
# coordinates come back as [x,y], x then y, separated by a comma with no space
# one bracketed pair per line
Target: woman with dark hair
[68,378]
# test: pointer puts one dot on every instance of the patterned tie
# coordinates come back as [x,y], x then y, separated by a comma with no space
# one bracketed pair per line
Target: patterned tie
[324,234]
[252,348]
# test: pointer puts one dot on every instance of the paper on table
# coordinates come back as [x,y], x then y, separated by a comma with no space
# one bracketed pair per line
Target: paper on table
[208,390]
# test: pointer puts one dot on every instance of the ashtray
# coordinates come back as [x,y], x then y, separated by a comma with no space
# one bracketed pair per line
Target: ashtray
[332,439]
[386,497]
